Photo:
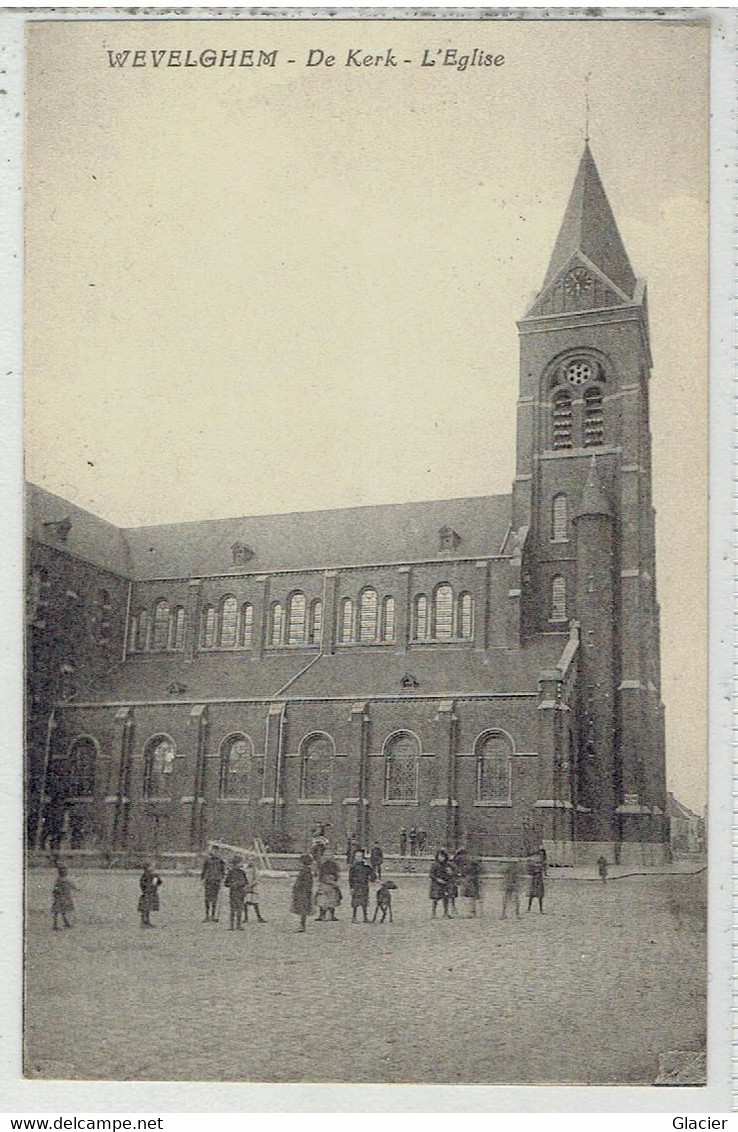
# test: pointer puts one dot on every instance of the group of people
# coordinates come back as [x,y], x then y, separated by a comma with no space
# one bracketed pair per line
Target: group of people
[416,841]
[317,886]
[242,882]
[453,876]
[536,869]
[322,870]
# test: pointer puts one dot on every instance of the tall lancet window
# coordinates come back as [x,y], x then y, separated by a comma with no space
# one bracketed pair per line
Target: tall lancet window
[594,421]
[558,598]
[207,630]
[297,615]
[178,631]
[142,631]
[368,616]
[347,620]
[316,767]
[388,619]
[228,622]
[421,618]
[466,616]
[401,759]
[560,518]
[315,623]
[161,625]
[276,624]
[246,625]
[494,752]
[235,766]
[562,420]
[159,755]
[443,612]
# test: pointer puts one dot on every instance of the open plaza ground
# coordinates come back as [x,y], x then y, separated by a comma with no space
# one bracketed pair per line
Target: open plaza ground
[591,992]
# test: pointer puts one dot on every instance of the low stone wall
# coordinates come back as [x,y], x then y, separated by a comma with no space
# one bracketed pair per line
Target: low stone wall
[79,859]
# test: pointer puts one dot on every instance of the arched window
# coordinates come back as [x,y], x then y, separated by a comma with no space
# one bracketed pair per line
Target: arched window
[235,766]
[368,616]
[388,619]
[420,619]
[296,620]
[276,619]
[178,633]
[559,518]
[158,765]
[207,632]
[562,420]
[494,753]
[246,630]
[594,423]
[466,616]
[443,612]
[106,608]
[347,620]
[81,767]
[402,753]
[134,632]
[161,626]
[228,622]
[315,622]
[558,598]
[316,768]
[142,630]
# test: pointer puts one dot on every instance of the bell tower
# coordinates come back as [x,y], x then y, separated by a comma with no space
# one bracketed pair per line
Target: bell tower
[583,515]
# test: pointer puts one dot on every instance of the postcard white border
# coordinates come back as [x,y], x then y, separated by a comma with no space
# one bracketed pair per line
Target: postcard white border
[31,1096]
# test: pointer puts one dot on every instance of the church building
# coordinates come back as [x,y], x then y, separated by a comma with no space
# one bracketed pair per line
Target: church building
[485,669]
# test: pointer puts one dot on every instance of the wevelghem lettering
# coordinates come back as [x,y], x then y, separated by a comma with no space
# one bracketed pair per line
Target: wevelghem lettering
[209,57]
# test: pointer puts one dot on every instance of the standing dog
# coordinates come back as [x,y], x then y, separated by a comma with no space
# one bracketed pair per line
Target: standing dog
[384,901]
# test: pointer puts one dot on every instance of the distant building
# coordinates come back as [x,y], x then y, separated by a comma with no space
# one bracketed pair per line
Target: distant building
[486,669]
[687,829]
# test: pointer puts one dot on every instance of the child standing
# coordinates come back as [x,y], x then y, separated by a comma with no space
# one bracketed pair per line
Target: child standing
[302,890]
[62,903]
[148,902]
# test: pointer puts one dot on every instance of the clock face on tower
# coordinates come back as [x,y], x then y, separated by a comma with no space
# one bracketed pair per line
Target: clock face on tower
[578,282]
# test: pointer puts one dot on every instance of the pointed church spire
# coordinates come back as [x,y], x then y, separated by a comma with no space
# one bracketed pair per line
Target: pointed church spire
[589,227]
[593,501]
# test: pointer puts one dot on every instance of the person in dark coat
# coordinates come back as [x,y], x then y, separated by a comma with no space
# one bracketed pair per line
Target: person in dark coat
[511,888]
[439,882]
[62,903]
[148,902]
[602,867]
[454,875]
[536,869]
[376,856]
[212,875]
[359,878]
[236,882]
[403,842]
[302,890]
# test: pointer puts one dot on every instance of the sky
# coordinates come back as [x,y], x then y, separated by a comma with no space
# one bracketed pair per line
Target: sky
[255,290]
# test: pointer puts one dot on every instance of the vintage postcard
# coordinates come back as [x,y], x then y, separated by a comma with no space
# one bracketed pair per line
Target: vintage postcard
[366,437]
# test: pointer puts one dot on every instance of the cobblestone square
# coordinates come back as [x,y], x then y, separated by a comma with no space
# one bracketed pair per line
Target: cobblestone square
[593,991]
